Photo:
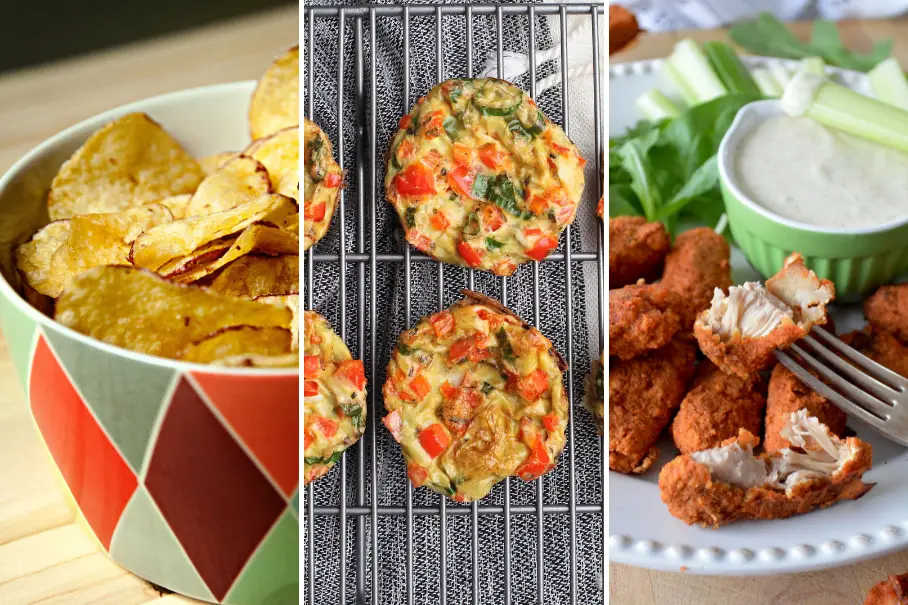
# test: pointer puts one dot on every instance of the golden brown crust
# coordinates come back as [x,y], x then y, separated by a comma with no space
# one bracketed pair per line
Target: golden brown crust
[644,394]
[636,249]
[717,406]
[788,394]
[640,318]
[887,309]
[891,591]
[880,346]
[745,356]
[697,264]
[693,496]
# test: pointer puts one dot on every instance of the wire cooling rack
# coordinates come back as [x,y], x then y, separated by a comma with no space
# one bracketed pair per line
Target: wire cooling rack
[357,469]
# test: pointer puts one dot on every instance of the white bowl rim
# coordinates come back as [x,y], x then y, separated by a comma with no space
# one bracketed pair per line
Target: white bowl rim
[46,322]
[727,148]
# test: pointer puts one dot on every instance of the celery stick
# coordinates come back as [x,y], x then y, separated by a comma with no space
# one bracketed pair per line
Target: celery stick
[780,73]
[844,109]
[727,65]
[656,106]
[766,82]
[889,83]
[672,76]
[695,72]
[814,65]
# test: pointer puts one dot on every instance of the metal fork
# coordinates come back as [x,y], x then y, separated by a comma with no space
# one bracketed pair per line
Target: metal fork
[869,392]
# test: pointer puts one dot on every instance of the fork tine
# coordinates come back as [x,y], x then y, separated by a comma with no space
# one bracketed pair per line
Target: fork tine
[872,368]
[823,389]
[856,395]
[880,390]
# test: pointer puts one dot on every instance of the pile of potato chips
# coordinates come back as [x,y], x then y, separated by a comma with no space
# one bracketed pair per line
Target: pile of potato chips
[155,251]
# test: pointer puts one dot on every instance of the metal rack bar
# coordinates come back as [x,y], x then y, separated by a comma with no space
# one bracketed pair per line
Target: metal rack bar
[368,577]
[483,509]
[448,9]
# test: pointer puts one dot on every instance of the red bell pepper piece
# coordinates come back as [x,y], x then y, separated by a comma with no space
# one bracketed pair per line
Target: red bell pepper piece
[434,439]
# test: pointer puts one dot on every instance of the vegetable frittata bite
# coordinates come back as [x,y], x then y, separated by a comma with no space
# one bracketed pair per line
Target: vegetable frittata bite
[480,177]
[322,181]
[594,391]
[334,400]
[475,395]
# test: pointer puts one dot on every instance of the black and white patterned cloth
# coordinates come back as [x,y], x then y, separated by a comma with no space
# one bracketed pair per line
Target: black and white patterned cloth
[391,480]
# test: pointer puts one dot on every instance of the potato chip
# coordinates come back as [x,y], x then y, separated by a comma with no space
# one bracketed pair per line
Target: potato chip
[201,256]
[280,153]
[126,163]
[254,275]
[176,204]
[291,302]
[239,341]
[261,238]
[161,244]
[240,180]
[65,248]
[292,223]
[275,102]
[212,163]
[138,310]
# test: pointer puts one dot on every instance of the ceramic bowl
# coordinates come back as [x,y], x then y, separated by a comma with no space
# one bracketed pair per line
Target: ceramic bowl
[186,474]
[856,260]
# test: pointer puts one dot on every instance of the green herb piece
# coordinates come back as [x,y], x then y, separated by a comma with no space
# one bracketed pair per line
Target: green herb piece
[403,349]
[493,244]
[411,217]
[471,226]
[312,460]
[452,127]
[335,457]
[351,410]
[480,186]
[486,388]
[501,193]
[506,350]
[518,130]
[767,35]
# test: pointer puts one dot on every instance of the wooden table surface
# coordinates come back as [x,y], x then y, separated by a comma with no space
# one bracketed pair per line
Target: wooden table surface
[45,557]
[843,586]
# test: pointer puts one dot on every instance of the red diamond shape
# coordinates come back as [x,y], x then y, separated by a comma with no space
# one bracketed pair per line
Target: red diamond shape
[217,502]
[98,477]
[264,412]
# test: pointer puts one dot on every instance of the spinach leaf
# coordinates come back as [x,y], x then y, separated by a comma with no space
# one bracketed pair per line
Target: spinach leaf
[480,186]
[410,216]
[501,193]
[493,244]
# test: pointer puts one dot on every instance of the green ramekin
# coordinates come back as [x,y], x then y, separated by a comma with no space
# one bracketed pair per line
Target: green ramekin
[855,260]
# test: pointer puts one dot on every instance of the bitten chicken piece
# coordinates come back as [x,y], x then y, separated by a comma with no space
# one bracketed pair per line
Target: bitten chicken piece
[728,483]
[697,264]
[891,591]
[640,318]
[788,394]
[716,408]
[887,309]
[740,331]
[644,394]
[636,250]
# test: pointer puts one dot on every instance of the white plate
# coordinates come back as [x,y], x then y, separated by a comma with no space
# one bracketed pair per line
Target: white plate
[642,533]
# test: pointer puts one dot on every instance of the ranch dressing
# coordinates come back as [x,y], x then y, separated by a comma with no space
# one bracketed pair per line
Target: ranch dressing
[803,171]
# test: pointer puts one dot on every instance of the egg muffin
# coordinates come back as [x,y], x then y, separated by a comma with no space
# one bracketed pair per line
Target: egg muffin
[334,400]
[475,395]
[594,391]
[322,181]
[480,177]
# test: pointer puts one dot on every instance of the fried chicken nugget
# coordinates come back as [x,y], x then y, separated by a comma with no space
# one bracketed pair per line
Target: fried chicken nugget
[880,346]
[636,249]
[887,309]
[716,408]
[697,264]
[891,591]
[740,331]
[644,394]
[726,484]
[788,394]
[640,318]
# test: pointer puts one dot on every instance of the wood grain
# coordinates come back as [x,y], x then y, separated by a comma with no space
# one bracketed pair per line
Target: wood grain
[44,556]
[843,586]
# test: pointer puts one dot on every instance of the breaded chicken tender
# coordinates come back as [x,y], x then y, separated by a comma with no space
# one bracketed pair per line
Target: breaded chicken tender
[640,318]
[636,249]
[697,264]
[716,408]
[880,346]
[887,309]
[788,394]
[740,331]
[891,591]
[728,483]
[644,394]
